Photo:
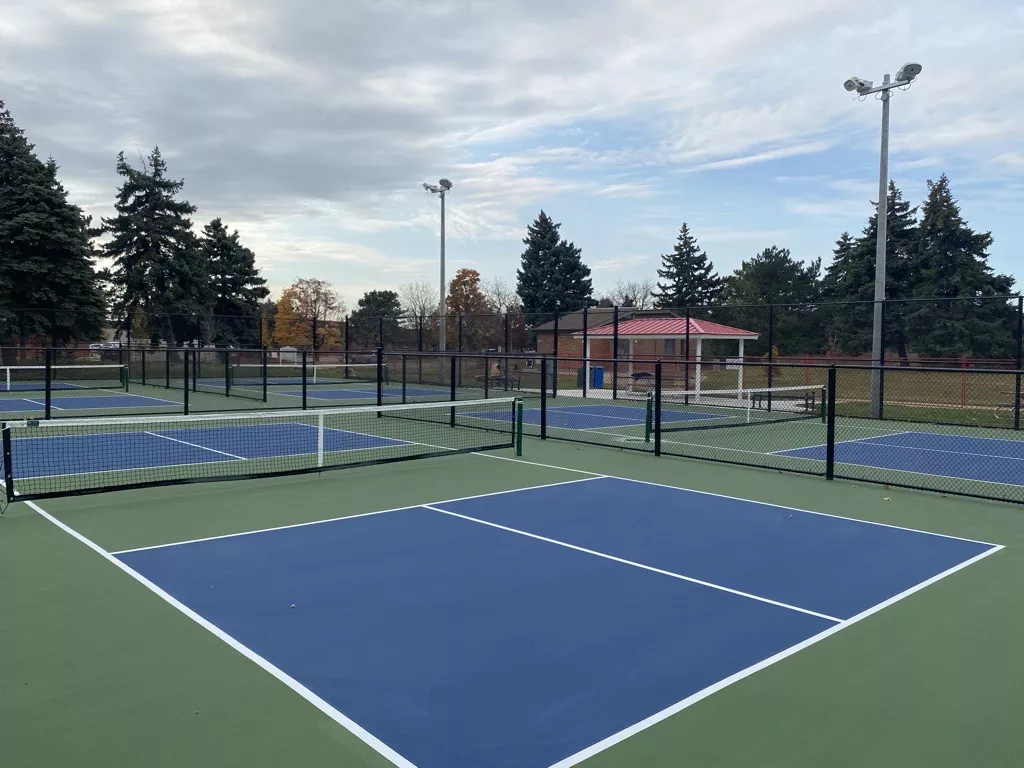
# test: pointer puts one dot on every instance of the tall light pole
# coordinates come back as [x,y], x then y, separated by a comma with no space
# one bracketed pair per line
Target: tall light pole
[908,72]
[441,189]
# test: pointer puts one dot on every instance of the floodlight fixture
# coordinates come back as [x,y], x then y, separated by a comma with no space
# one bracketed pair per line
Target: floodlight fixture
[908,71]
[857,84]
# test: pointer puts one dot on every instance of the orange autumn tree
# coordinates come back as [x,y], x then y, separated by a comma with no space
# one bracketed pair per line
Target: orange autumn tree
[309,315]
[481,324]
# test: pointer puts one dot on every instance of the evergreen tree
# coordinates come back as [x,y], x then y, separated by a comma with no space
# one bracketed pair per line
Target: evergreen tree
[951,260]
[376,311]
[48,285]
[774,277]
[690,278]
[236,285]
[552,277]
[158,267]
[851,278]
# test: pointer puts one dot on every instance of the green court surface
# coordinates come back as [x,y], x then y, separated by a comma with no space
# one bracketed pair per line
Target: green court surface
[96,670]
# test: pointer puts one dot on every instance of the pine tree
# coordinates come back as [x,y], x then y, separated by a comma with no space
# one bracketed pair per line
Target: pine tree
[552,277]
[236,286]
[690,278]
[851,278]
[48,284]
[158,266]
[774,277]
[951,260]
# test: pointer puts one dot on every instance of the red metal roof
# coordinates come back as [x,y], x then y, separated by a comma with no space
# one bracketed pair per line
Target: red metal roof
[670,326]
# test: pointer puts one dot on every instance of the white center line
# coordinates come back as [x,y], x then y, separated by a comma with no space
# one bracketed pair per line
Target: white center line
[196,445]
[690,579]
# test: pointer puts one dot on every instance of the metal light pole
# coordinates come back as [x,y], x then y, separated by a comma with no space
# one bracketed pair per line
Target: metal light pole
[908,72]
[441,189]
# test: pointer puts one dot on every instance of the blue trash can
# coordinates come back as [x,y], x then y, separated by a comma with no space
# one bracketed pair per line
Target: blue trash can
[597,376]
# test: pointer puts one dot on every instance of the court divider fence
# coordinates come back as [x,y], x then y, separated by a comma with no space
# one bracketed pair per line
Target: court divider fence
[953,430]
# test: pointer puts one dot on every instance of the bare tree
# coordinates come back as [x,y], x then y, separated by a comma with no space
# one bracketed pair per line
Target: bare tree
[501,293]
[634,293]
[418,299]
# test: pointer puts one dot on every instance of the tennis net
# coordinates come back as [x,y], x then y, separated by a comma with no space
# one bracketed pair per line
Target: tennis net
[251,374]
[32,378]
[65,457]
[683,410]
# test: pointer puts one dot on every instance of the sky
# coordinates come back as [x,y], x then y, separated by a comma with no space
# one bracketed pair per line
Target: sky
[310,126]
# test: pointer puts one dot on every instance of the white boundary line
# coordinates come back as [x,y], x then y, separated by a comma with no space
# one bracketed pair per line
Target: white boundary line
[681,577]
[350,725]
[347,517]
[689,701]
[868,441]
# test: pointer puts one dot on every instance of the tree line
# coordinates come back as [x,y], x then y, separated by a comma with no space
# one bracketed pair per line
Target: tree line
[168,285]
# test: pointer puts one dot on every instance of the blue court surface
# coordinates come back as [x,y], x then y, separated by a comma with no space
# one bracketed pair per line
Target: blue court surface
[84,403]
[522,628]
[984,459]
[603,416]
[35,457]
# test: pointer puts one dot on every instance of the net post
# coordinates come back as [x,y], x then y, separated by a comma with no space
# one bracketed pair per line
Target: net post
[487,376]
[263,372]
[1020,344]
[8,465]
[543,398]
[519,426]
[656,419]
[380,376]
[320,439]
[185,363]
[615,353]
[648,417]
[404,358]
[304,387]
[227,373]
[49,381]
[830,425]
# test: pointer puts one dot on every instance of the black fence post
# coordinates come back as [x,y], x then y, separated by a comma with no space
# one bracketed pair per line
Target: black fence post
[451,410]
[508,336]
[312,342]
[543,398]
[129,331]
[263,372]
[419,348]
[195,367]
[185,369]
[487,376]
[304,387]
[686,355]
[380,375]
[142,364]
[167,369]
[615,353]
[657,408]
[881,369]
[227,373]
[771,350]
[380,331]
[404,358]
[830,425]
[460,350]
[586,357]
[47,400]
[1020,349]
[347,341]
